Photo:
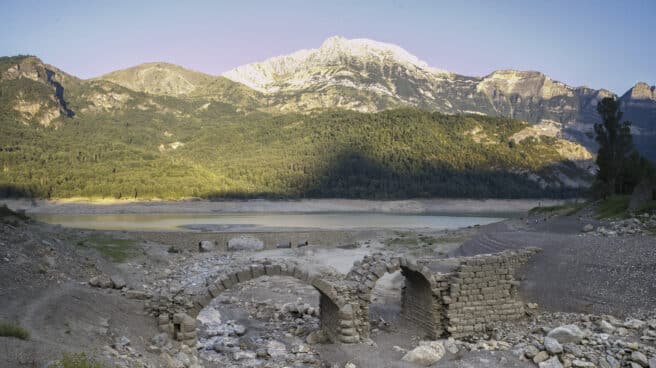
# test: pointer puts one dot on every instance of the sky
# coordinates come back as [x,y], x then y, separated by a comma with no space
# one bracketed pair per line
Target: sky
[600,44]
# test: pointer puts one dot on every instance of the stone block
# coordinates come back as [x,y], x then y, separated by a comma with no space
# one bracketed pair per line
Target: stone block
[244,275]
[349,339]
[217,288]
[204,300]
[350,331]
[179,317]
[273,270]
[257,271]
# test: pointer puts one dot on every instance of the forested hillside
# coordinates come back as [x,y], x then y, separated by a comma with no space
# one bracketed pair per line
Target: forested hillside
[64,137]
[394,154]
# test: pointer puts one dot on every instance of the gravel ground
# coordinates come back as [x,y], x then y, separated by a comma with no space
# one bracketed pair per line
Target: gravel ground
[577,272]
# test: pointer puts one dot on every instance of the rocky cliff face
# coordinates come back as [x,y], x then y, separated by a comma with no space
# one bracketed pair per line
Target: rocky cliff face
[34,90]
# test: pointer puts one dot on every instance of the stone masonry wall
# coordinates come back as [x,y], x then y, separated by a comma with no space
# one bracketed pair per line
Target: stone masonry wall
[483,290]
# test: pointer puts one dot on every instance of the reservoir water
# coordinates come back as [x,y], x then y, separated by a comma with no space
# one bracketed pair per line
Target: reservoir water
[267,221]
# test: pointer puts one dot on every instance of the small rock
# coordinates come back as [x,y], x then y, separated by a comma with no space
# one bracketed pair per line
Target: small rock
[300,348]
[582,364]
[183,358]
[531,351]
[240,330]
[399,349]
[540,357]
[552,345]
[243,355]
[159,340]
[350,365]
[553,362]
[588,228]
[205,246]
[136,294]
[122,342]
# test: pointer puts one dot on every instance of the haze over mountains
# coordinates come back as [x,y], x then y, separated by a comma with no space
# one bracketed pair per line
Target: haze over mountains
[170,111]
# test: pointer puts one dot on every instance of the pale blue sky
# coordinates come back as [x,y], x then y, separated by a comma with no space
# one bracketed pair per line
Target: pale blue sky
[601,44]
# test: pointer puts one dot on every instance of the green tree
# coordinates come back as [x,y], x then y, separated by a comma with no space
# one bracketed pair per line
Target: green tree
[620,166]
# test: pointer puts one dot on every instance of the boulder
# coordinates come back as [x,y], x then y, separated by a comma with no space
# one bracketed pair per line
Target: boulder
[553,362]
[639,358]
[102,281]
[206,246]
[588,228]
[635,324]
[567,333]
[245,242]
[605,326]
[552,346]
[118,282]
[426,354]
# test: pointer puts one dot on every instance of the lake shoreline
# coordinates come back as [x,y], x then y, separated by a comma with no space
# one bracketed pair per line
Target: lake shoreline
[410,206]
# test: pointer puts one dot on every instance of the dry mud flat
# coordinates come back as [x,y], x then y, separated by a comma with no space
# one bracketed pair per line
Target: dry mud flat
[45,273]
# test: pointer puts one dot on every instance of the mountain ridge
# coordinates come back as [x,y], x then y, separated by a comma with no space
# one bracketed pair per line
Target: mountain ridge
[174,117]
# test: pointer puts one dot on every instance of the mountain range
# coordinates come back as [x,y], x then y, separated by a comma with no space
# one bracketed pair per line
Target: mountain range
[369,76]
[358,75]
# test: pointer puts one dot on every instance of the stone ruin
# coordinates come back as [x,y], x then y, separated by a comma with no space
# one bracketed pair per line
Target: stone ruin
[442,297]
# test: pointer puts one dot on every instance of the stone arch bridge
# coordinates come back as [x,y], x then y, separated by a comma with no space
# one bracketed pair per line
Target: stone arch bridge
[455,296]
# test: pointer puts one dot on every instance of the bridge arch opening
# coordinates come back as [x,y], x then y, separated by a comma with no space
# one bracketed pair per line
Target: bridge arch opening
[418,304]
[183,326]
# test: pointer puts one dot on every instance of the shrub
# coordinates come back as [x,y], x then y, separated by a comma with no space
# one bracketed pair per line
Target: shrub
[80,360]
[13,330]
[613,207]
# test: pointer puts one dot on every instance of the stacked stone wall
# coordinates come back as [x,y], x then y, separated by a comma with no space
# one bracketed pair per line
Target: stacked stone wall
[483,291]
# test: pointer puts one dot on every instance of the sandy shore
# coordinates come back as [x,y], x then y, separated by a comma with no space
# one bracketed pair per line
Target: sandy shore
[414,206]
